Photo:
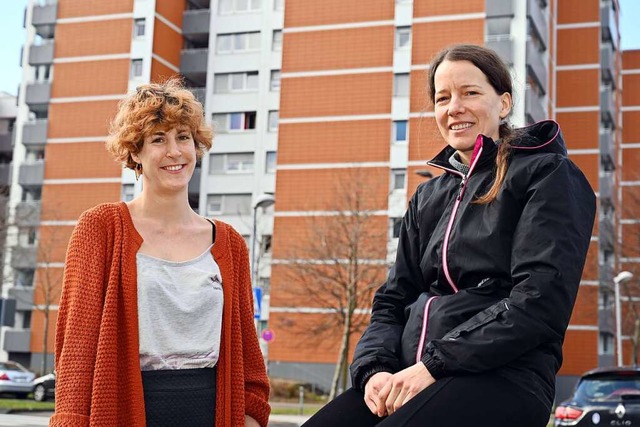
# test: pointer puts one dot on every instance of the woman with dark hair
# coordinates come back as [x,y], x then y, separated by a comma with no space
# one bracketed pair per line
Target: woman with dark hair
[155,325]
[468,328]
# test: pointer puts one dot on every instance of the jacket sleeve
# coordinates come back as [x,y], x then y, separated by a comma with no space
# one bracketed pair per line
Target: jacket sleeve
[256,382]
[78,323]
[550,244]
[378,349]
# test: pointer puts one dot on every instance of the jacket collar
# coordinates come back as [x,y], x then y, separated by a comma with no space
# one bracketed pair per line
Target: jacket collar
[543,136]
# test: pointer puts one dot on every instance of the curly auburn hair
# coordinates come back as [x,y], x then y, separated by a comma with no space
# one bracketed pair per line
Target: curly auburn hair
[153,107]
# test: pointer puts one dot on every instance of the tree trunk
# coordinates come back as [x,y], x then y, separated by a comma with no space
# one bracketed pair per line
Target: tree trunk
[45,340]
[342,360]
[636,338]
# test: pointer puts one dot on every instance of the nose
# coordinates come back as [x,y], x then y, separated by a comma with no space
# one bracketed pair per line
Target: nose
[456,106]
[173,149]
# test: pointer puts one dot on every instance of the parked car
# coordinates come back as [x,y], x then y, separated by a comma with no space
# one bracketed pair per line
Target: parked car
[44,387]
[603,397]
[16,379]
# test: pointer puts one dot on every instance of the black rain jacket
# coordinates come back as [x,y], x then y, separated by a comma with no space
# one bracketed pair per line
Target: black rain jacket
[479,288]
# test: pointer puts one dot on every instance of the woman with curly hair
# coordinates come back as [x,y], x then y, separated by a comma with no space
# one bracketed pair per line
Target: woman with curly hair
[157,300]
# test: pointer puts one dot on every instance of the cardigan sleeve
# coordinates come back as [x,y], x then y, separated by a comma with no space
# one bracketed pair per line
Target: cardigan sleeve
[78,323]
[256,381]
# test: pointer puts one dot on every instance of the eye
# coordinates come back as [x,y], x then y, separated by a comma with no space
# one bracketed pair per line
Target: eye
[441,99]
[472,92]
[157,140]
[184,137]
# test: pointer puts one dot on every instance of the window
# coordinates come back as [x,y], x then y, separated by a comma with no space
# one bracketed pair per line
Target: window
[136,68]
[400,131]
[270,166]
[238,6]
[228,204]
[273,121]
[277,40]
[138,28]
[235,122]
[396,224]
[275,80]
[398,178]
[605,343]
[128,192]
[24,277]
[403,37]
[265,244]
[401,84]
[26,319]
[238,42]
[235,82]
[231,163]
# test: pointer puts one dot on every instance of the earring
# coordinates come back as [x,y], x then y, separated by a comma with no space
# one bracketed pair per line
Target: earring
[138,170]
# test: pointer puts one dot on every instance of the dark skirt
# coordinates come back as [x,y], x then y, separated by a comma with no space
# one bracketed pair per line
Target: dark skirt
[181,397]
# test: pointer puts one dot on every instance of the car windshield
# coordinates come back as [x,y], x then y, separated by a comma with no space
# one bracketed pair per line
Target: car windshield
[11,366]
[601,389]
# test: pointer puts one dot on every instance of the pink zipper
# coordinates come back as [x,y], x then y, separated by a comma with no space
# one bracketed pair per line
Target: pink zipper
[463,185]
[423,334]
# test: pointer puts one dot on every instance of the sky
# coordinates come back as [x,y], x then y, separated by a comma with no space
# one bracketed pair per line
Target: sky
[13,35]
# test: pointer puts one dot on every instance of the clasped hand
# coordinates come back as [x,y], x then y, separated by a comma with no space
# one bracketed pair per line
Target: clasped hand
[385,393]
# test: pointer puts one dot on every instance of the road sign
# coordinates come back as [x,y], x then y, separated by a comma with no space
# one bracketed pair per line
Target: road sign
[268,335]
[257,303]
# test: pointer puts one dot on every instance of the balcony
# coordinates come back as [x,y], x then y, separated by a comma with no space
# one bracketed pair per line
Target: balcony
[5,174]
[31,174]
[537,21]
[23,257]
[193,64]
[200,4]
[607,108]
[44,18]
[606,235]
[41,54]
[605,319]
[38,96]
[535,66]
[503,47]
[196,24]
[200,93]
[607,64]
[499,9]
[607,150]
[605,274]
[28,214]
[609,28]
[35,132]
[605,189]
[17,340]
[6,143]
[23,297]
[533,109]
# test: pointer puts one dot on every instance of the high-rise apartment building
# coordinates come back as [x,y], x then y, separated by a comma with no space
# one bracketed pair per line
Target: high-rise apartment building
[338,90]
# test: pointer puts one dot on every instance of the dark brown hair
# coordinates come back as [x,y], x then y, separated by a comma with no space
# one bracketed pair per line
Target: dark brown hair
[499,78]
[153,107]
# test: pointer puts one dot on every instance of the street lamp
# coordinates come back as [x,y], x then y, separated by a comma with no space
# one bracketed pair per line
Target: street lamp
[623,276]
[263,201]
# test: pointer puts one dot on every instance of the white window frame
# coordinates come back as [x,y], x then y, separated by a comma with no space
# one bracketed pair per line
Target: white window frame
[401,85]
[128,192]
[231,39]
[137,65]
[395,174]
[226,122]
[273,119]
[395,131]
[222,198]
[245,167]
[235,6]
[270,155]
[276,41]
[245,76]
[402,33]
[209,202]
[139,23]
[275,80]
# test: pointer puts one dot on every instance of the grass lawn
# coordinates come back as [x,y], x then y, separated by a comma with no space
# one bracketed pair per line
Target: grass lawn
[25,404]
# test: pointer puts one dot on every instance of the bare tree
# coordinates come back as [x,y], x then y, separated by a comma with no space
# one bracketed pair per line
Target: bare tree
[337,265]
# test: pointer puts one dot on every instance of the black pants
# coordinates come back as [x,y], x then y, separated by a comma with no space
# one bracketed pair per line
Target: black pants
[474,401]
[182,397]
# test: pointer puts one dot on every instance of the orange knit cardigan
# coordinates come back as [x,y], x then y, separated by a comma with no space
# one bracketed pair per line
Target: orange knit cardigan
[98,381]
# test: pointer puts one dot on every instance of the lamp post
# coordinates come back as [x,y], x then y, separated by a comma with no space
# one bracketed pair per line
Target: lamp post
[263,201]
[623,276]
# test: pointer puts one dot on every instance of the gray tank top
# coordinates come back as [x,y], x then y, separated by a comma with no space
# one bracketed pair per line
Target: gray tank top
[179,312]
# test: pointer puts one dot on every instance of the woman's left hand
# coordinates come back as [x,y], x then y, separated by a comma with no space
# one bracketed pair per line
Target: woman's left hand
[250,422]
[404,385]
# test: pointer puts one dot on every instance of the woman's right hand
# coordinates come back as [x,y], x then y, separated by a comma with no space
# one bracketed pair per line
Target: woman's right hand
[372,397]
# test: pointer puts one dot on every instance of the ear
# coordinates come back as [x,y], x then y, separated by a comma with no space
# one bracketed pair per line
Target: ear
[506,104]
[135,158]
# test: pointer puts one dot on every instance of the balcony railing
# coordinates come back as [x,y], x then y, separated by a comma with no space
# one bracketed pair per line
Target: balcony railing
[196,24]
[38,96]
[535,65]
[193,64]
[35,132]
[44,18]
[41,54]
[23,257]
[6,143]
[503,46]
[31,174]
[607,107]
[28,214]
[607,150]
[533,106]
[538,21]
[17,340]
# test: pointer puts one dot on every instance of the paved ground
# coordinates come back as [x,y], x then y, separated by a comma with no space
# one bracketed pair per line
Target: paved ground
[39,419]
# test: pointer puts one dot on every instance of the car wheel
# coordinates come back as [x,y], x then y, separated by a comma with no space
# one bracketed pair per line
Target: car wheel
[39,394]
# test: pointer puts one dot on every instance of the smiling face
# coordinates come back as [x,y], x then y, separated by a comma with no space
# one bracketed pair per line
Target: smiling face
[466,105]
[168,158]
